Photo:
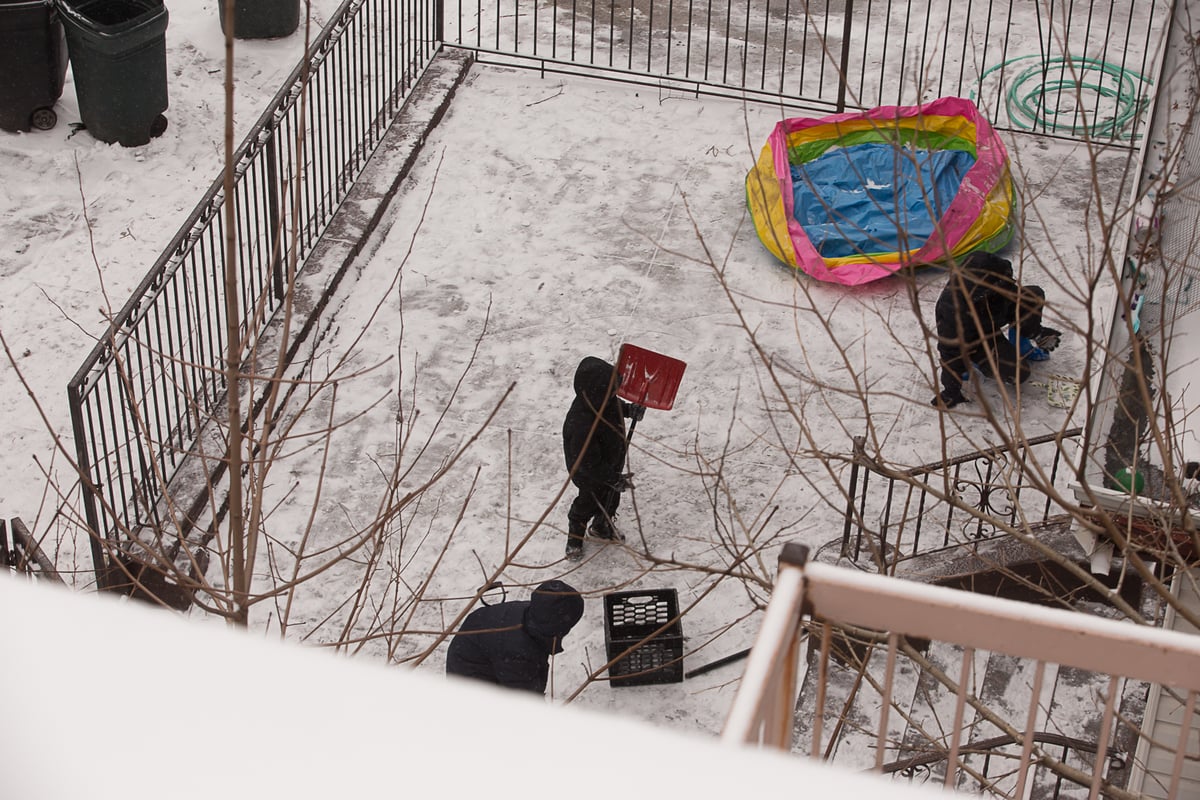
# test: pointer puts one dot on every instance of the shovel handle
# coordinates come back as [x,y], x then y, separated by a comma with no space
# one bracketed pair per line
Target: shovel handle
[633,425]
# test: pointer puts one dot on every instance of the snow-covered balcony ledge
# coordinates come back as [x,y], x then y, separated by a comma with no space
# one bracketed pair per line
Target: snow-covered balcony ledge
[819,597]
[322,725]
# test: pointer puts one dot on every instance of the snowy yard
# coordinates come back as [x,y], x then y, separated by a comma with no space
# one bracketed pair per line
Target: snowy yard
[547,220]
[560,226]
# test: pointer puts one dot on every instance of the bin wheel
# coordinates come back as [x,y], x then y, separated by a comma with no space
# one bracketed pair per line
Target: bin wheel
[158,126]
[43,119]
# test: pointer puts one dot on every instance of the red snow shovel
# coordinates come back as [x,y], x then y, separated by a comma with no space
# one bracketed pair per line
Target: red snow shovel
[648,379]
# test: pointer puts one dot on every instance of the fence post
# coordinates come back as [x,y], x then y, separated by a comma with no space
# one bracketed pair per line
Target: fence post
[844,65]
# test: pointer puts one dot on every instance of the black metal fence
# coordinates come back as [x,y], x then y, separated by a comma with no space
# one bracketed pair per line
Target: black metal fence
[1001,754]
[894,514]
[139,398]
[1057,67]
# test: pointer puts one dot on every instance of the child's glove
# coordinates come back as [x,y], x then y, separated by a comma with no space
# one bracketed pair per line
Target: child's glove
[1028,349]
[624,481]
[1048,339]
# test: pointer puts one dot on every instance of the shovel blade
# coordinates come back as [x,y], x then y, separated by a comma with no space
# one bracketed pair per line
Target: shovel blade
[647,378]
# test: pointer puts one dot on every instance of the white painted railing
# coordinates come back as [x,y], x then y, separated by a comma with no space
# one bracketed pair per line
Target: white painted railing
[824,596]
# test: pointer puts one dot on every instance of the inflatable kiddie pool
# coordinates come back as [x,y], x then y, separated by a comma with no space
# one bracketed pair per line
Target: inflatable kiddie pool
[852,198]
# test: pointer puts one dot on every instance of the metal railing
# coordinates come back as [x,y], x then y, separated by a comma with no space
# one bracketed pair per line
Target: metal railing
[895,514]
[823,596]
[139,399]
[1052,66]
[998,757]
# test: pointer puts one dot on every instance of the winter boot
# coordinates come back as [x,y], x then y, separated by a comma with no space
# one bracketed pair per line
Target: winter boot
[604,529]
[948,398]
[575,535]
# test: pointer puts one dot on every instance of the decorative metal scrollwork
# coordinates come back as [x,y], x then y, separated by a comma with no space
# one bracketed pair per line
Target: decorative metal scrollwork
[917,773]
[995,501]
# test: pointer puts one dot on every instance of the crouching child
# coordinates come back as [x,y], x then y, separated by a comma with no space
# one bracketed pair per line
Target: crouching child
[980,300]
[509,644]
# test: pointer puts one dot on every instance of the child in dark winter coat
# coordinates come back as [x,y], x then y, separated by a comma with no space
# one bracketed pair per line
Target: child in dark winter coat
[979,301]
[594,446]
[510,644]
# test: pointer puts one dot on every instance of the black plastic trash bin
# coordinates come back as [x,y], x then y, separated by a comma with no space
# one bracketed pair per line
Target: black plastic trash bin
[33,64]
[262,19]
[119,59]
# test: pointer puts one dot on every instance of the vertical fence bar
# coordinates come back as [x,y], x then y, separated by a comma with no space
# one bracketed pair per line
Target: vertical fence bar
[745,42]
[1039,675]
[844,61]
[903,52]
[862,512]
[786,44]
[960,701]
[962,56]
[822,681]
[916,545]
[850,497]
[1102,738]
[885,705]
[885,523]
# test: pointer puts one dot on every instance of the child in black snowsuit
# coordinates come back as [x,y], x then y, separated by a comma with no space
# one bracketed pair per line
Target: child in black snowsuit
[594,446]
[979,301]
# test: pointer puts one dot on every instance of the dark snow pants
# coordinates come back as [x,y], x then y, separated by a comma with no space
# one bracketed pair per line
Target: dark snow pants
[957,361]
[596,501]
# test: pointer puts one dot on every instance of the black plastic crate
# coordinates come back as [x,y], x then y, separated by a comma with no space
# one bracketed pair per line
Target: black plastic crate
[629,617]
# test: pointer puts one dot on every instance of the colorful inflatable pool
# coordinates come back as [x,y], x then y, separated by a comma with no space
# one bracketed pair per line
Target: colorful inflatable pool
[851,198]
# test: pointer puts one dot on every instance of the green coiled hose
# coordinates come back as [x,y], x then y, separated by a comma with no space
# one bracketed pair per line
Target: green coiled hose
[1029,105]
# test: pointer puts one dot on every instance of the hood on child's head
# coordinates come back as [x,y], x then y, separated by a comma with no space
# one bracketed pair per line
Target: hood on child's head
[983,261]
[596,380]
[554,608]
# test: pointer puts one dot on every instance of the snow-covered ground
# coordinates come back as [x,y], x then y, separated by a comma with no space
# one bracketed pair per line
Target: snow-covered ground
[547,219]
[581,216]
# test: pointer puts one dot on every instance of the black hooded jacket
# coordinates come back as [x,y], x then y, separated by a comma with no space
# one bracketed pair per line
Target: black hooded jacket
[596,384]
[985,283]
[509,644]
